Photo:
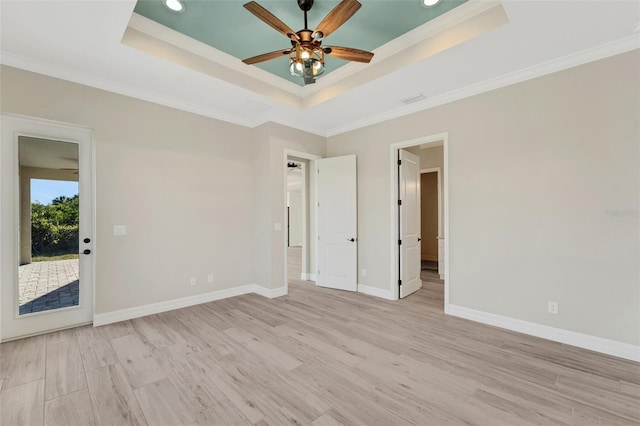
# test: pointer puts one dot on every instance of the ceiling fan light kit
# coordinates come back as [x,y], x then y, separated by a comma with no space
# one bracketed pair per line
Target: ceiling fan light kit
[306,63]
[307,55]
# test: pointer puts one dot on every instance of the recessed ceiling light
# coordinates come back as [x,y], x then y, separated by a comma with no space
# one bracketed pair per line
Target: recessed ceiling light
[429,3]
[174,5]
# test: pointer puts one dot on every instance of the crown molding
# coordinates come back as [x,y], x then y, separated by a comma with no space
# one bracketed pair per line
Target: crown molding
[427,31]
[17,61]
[585,56]
[210,53]
[39,67]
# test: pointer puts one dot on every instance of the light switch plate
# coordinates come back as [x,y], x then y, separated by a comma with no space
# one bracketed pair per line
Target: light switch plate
[119,230]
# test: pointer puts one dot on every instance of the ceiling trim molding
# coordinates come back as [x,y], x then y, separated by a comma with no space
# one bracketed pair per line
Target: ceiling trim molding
[469,20]
[606,50]
[446,34]
[157,32]
[588,55]
[412,39]
[39,67]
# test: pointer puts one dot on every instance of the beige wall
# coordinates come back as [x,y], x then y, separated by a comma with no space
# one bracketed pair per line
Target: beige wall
[163,173]
[535,171]
[543,184]
[270,142]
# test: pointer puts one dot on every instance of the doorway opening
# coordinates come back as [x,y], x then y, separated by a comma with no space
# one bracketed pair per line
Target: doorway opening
[419,212]
[296,209]
[300,235]
[49,194]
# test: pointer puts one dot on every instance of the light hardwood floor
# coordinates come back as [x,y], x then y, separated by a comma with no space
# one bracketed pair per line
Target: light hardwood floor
[318,357]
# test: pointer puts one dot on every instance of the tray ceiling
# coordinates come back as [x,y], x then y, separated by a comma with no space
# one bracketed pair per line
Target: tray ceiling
[462,53]
[456,22]
[230,28]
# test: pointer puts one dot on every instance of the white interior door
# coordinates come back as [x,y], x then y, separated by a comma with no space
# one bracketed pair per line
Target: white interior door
[337,223]
[48,286]
[409,209]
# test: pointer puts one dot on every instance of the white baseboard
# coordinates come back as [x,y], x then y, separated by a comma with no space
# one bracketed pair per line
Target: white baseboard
[183,302]
[585,341]
[308,277]
[375,291]
[270,292]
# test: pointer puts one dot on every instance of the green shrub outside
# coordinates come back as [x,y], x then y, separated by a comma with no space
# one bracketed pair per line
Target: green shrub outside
[54,227]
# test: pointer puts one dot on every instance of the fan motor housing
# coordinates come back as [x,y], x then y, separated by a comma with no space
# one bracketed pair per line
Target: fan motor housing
[305,5]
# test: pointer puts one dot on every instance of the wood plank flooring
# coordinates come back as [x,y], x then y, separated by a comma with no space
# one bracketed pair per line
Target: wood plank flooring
[315,357]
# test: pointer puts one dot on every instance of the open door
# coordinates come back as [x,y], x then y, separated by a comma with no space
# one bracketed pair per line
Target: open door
[409,215]
[337,223]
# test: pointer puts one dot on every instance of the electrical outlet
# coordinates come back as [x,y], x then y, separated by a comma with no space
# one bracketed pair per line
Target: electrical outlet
[364,272]
[210,278]
[192,281]
[552,307]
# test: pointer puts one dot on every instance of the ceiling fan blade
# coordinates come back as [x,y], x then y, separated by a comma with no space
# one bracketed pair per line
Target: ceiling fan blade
[268,18]
[338,16]
[266,56]
[350,54]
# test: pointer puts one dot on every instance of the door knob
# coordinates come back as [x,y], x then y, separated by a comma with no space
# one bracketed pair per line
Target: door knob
[87,251]
[86,240]
[351,239]
[419,239]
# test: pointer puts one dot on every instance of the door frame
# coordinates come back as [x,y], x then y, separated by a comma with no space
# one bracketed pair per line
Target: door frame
[306,226]
[394,235]
[53,130]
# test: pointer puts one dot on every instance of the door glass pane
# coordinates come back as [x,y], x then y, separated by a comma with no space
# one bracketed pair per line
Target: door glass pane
[48,268]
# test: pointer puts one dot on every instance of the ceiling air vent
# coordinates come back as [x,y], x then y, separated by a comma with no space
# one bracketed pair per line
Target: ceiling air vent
[412,99]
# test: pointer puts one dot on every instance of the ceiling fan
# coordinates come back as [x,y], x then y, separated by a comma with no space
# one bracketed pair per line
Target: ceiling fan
[69,169]
[75,171]
[306,52]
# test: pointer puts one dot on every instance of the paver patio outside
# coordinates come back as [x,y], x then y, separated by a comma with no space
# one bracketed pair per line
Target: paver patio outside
[48,285]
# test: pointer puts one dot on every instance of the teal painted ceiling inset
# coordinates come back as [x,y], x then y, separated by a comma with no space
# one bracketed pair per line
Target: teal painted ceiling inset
[230,28]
